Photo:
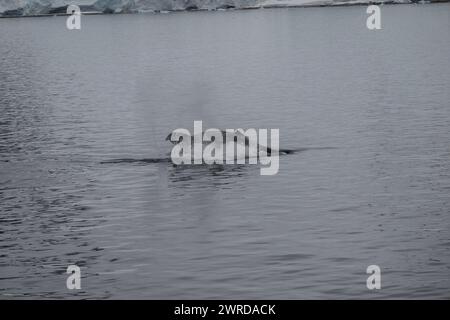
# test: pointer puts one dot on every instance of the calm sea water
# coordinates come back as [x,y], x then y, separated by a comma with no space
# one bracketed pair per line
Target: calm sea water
[71,100]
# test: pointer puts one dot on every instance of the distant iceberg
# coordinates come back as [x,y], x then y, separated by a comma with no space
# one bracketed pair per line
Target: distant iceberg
[45,7]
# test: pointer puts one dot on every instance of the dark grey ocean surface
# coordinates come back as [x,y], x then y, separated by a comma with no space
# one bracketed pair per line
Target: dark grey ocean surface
[71,100]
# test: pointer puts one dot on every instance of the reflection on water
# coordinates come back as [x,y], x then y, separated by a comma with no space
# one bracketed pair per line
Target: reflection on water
[85,178]
[206,176]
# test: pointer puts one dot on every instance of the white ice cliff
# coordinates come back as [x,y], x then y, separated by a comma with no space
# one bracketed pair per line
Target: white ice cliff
[39,7]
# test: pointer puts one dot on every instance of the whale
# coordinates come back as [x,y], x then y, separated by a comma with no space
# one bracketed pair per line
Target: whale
[244,140]
[239,137]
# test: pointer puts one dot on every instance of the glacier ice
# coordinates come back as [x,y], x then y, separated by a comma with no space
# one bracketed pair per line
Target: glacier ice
[36,7]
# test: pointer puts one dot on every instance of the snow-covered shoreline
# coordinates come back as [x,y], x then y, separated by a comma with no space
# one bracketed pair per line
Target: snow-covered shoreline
[33,8]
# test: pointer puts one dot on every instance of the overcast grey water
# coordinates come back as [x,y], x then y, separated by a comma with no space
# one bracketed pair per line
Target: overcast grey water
[71,101]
